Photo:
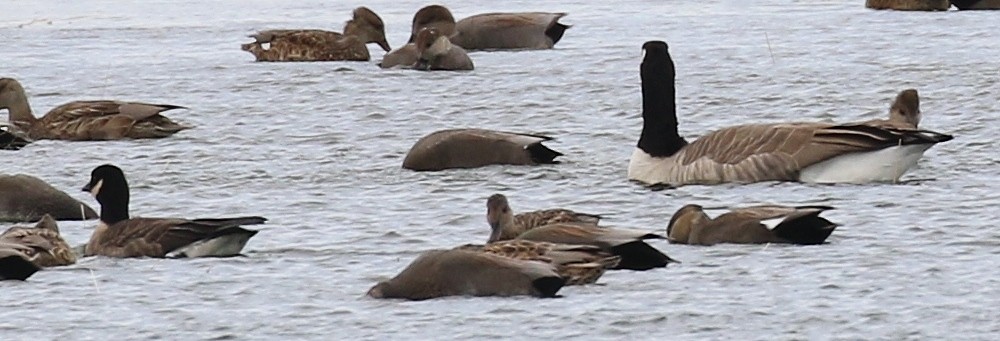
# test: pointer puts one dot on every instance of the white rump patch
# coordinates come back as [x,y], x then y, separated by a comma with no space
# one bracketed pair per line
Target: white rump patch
[222,246]
[773,222]
[884,165]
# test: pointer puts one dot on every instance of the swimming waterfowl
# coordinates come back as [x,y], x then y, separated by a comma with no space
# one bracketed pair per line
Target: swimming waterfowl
[318,45]
[118,235]
[751,225]
[11,138]
[493,31]
[471,148]
[909,5]
[87,120]
[25,198]
[578,264]
[405,56]
[503,31]
[439,273]
[434,16]
[16,260]
[436,52]
[904,113]
[628,244]
[528,220]
[46,233]
[806,152]
[976,4]
[430,51]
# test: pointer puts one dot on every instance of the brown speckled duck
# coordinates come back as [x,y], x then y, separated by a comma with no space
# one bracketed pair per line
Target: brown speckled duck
[45,232]
[17,260]
[318,45]
[628,244]
[87,120]
[751,225]
[119,235]
[578,264]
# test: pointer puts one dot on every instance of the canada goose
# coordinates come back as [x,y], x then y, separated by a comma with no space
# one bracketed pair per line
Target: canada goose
[635,253]
[578,264]
[493,31]
[16,260]
[11,138]
[318,45]
[471,148]
[439,273]
[806,152]
[751,225]
[436,52]
[118,235]
[24,198]
[45,232]
[976,4]
[909,5]
[87,120]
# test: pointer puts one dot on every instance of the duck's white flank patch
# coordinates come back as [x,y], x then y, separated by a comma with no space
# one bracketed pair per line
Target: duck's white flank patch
[884,165]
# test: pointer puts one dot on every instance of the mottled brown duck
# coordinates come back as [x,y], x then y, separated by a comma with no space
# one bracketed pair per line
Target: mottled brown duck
[318,45]
[46,233]
[629,244]
[578,264]
[88,120]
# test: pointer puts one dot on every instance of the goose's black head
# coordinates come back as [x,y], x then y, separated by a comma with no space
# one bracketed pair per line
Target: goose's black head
[659,106]
[108,185]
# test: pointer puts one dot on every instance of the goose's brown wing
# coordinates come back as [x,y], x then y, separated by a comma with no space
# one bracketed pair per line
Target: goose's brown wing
[779,151]
[155,237]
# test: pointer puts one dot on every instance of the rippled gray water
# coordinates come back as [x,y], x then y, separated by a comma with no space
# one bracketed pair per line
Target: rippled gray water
[316,147]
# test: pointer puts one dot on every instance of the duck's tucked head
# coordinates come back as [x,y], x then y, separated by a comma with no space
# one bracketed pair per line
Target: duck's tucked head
[430,46]
[368,27]
[906,108]
[434,16]
[499,215]
[683,221]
